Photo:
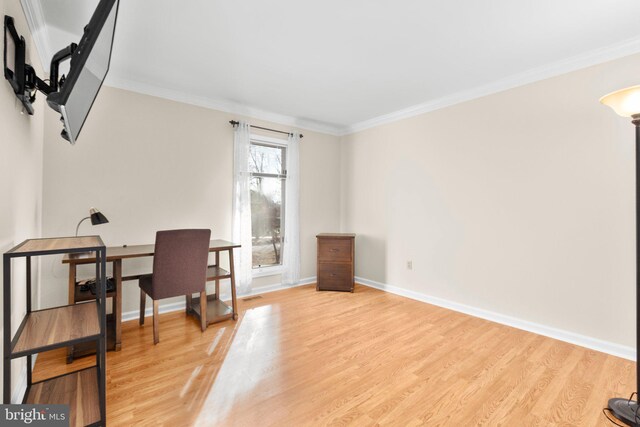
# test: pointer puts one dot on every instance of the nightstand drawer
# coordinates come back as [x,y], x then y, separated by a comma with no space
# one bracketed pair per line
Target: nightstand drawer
[335,277]
[335,250]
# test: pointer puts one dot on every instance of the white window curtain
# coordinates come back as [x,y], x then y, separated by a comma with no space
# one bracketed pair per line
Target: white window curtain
[242,207]
[291,250]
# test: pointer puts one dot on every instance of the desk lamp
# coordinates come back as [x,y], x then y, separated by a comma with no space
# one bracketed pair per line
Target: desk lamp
[96,218]
[626,102]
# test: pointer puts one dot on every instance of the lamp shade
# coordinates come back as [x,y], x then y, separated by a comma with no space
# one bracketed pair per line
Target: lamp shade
[97,217]
[625,102]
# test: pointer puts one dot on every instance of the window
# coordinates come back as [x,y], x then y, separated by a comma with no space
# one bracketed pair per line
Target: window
[267,164]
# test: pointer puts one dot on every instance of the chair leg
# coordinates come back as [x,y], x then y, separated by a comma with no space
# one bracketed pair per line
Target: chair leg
[156,333]
[188,308]
[203,310]
[143,301]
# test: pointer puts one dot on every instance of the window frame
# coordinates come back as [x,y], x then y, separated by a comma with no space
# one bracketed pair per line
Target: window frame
[255,139]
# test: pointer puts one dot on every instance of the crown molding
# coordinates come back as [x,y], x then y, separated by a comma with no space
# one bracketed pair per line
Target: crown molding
[222,105]
[594,57]
[39,32]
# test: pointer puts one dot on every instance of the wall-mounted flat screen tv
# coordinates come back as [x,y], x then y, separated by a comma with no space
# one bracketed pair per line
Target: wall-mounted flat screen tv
[88,69]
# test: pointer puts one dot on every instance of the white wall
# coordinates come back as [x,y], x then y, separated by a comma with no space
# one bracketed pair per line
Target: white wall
[520,203]
[20,178]
[151,164]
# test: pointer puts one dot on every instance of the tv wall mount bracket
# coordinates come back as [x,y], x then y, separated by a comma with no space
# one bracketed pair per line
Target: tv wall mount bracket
[23,78]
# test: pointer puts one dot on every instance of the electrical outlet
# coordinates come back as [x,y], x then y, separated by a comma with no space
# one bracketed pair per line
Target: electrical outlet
[409,265]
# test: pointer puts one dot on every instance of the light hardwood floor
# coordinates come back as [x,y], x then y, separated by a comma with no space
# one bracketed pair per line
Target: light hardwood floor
[300,357]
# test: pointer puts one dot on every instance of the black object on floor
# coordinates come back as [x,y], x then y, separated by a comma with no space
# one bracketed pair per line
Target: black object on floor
[90,285]
[625,410]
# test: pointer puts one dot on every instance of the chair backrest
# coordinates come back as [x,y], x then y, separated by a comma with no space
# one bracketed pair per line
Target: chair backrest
[180,262]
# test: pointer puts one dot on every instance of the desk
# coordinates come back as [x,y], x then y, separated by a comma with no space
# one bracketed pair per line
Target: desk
[116,254]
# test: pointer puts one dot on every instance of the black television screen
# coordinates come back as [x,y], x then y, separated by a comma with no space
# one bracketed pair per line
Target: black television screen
[88,69]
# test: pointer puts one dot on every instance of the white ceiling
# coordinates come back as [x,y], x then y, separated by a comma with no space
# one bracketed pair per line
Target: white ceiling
[337,65]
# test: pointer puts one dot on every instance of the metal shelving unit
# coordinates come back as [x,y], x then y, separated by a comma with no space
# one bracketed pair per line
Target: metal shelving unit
[42,330]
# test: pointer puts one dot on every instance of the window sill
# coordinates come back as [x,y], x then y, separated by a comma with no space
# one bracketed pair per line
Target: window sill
[267,271]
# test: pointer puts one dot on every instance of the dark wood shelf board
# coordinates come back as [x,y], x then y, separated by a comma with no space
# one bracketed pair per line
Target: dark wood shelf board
[217,273]
[216,309]
[78,389]
[55,327]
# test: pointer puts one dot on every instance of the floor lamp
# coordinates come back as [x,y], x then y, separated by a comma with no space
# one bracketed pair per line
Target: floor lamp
[626,102]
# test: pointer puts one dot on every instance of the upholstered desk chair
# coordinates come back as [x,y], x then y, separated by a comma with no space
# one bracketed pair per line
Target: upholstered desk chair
[179,268]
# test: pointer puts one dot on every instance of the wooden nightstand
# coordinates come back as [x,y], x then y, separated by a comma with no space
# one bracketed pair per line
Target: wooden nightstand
[336,253]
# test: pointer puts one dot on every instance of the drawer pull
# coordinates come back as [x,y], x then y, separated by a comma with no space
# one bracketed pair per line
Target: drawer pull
[334,250]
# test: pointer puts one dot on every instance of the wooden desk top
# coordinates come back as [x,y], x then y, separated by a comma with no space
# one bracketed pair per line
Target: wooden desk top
[115,253]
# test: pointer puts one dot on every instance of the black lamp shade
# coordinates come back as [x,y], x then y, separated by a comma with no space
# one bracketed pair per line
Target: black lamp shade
[97,217]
